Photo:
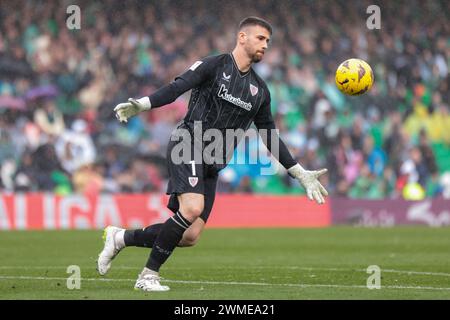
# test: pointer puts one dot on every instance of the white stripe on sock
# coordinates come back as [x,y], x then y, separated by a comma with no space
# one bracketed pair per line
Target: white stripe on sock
[178,223]
[183,220]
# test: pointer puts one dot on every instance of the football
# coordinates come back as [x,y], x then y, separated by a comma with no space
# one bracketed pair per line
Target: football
[354,77]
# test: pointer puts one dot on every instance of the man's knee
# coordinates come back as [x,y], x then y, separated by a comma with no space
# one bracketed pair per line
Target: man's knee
[191,207]
[193,210]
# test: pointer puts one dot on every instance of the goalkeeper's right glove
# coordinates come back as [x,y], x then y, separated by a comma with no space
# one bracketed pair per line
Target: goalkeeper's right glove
[131,108]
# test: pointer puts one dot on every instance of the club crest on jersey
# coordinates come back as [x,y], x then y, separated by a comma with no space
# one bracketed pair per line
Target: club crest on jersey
[193,181]
[253,89]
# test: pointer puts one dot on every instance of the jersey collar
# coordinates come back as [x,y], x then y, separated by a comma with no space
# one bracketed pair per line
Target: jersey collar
[241,74]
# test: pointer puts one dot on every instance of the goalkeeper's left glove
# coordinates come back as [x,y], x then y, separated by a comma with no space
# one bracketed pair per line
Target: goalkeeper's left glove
[131,108]
[308,179]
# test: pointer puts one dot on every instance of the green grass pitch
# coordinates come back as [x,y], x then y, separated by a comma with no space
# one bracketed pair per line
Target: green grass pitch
[326,263]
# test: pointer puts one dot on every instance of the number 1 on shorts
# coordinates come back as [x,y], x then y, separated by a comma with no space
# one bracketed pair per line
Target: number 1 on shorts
[192,162]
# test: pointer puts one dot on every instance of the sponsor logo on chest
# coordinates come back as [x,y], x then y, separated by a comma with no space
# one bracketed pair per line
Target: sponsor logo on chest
[223,93]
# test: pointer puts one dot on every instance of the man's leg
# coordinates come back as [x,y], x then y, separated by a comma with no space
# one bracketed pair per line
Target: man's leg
[145,238]
[191,207]
[116,239]
[119,238]
[192,235]
[170,235]
[187,181]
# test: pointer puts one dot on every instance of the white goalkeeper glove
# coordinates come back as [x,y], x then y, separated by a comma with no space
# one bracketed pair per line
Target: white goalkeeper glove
[131,108]
[308,179]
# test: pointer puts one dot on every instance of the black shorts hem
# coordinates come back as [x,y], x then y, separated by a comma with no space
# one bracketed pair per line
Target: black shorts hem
[182,192]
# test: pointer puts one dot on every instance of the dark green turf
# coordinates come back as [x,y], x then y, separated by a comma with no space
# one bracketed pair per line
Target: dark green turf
[325,263]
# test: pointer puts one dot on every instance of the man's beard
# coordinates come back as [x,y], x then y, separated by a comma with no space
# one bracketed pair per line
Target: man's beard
[256,58]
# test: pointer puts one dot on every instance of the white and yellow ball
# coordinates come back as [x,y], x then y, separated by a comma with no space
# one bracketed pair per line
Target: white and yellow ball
[354,77]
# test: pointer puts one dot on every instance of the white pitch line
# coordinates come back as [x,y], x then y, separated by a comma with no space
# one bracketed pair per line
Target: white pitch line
[417,272]
[297,285]
[408,272]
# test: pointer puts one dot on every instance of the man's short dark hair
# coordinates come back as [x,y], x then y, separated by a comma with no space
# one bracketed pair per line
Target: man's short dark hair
[255,21]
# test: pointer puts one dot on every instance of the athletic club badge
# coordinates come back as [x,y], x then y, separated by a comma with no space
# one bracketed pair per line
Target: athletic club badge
[253,89]
[193,181]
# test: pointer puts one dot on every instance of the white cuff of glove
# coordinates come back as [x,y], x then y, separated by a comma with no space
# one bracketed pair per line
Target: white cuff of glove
[145,101]
[296,171]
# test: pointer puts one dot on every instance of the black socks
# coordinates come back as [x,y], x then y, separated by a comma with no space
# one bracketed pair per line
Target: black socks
[169,236]
[142,237]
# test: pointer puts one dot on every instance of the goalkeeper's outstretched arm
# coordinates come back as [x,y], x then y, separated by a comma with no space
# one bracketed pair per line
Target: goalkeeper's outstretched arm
[308,179]
[199,72]
[161,97]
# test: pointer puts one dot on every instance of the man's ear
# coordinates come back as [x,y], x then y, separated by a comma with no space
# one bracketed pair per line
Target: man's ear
[241,36]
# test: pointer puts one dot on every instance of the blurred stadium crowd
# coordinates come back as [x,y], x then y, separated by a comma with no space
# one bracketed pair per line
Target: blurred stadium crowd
[58,88]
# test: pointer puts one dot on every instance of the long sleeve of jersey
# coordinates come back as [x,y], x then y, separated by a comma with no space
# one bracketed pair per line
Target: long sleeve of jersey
[199,72]
[264,120]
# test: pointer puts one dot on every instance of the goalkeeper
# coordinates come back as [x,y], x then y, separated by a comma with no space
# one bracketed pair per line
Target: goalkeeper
[226,94]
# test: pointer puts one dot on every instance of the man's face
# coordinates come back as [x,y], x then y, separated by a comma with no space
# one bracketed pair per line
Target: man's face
[255,40]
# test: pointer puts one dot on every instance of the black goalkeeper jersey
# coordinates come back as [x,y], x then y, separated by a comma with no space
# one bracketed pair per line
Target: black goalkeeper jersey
[226,98]
[223,97]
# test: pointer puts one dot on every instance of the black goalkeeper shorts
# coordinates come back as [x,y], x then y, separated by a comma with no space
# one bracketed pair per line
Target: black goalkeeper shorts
[191,178]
